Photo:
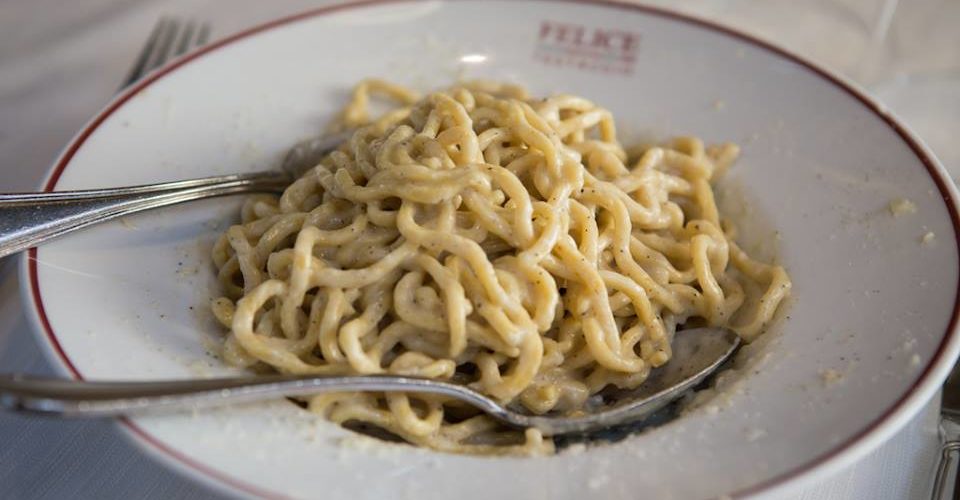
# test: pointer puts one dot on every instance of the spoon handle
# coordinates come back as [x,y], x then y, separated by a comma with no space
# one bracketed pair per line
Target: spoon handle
[700,351]
[29,219]
[75,398]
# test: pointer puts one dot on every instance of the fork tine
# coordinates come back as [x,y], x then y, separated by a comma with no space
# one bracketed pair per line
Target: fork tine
[169,38]
[203,34]
[162,54]
[140,65]
[186,38]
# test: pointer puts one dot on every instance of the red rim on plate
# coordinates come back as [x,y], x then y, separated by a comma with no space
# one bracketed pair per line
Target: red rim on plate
[158,447]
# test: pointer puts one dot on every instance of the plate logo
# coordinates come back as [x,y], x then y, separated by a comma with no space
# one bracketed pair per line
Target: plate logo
[587,48]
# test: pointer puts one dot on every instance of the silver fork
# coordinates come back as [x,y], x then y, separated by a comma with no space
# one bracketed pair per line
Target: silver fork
[169,38]
[950,434]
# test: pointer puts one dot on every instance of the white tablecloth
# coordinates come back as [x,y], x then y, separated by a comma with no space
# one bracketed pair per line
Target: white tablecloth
[59,64]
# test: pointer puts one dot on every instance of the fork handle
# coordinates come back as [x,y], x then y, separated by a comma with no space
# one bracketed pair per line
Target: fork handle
[75,398]
[29,219]
[948,460]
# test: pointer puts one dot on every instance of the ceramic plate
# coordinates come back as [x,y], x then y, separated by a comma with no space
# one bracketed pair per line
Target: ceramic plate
[866,340]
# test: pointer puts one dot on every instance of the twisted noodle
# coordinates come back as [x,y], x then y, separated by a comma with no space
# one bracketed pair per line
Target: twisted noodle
[480,235]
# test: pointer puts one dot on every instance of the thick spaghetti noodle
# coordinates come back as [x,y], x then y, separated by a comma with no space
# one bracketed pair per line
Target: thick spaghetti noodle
[479,235]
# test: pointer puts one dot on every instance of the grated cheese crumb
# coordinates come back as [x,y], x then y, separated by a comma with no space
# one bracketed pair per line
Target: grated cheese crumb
[127,224]
[901,206]
[830,376]
[575,449]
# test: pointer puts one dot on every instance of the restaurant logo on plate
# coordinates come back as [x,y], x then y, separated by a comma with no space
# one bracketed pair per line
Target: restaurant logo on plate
[574,45]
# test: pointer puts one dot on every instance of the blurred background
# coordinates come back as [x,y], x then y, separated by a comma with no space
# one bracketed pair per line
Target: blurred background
[60,62]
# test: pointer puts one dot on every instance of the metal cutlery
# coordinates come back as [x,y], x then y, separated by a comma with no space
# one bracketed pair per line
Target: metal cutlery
[697,353]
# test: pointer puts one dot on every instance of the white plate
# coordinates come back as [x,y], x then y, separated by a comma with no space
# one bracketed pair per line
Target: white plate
[820,164]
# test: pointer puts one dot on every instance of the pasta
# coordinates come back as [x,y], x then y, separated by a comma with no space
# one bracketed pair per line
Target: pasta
[483,236]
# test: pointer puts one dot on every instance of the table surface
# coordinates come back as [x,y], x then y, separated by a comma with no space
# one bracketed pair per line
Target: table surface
[59,65]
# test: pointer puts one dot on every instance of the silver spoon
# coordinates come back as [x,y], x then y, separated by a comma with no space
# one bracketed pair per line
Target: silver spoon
[29,219]
[696,354]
